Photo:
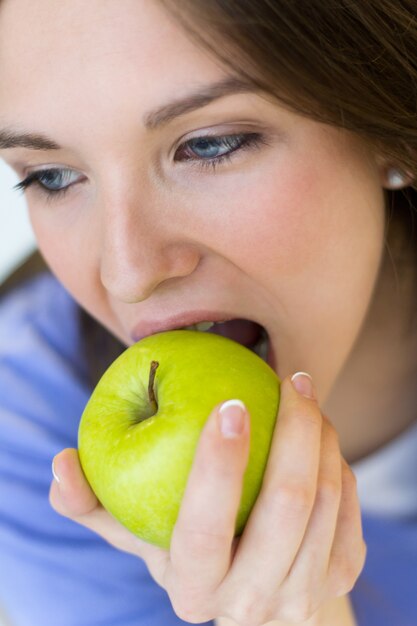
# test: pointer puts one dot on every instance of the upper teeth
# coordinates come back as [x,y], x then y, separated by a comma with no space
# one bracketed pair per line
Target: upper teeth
[199,326]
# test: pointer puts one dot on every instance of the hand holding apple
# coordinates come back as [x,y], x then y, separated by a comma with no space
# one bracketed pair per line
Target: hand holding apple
[139,431]
[302,545]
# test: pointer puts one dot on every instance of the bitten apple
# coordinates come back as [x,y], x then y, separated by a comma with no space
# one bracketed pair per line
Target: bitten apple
[139,430]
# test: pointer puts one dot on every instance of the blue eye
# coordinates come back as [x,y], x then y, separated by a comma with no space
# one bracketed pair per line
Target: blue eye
[56,180]
[53,181]
[211,148]
[210,151]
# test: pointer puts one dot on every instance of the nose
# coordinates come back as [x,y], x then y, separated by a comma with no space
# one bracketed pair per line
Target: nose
[140,250]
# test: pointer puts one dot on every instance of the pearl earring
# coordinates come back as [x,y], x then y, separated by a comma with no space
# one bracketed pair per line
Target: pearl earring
[396,178]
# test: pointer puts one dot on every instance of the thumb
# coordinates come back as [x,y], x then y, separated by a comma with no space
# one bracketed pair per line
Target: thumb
[70,494]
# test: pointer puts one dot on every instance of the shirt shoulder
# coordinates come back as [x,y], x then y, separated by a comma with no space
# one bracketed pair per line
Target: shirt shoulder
[43,374]
[39,312]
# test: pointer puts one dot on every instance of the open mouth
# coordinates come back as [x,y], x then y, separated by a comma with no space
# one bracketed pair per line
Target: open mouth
[250,334]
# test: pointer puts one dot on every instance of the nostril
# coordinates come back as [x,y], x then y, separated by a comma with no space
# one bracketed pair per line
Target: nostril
[133,276]
[183,260]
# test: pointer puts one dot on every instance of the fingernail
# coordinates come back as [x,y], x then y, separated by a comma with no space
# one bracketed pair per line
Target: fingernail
[54,472]
[232,415]
[303,383]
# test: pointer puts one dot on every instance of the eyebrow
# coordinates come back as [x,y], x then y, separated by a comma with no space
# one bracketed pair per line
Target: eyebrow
[34,141]
[151,120]
[203,97]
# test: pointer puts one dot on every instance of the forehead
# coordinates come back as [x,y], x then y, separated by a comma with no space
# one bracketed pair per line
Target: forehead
[74,55]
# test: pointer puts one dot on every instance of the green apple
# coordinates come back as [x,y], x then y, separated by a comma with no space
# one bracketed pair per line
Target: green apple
[139,430]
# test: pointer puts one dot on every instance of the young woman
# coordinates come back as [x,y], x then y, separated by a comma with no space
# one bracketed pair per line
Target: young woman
[202,161]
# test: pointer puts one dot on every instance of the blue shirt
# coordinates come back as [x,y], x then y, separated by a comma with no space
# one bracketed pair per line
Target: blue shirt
[54,572]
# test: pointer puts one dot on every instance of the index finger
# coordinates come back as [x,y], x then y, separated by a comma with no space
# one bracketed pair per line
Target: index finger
[201,543]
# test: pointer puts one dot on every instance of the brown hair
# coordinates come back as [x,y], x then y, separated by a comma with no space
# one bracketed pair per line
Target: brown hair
[347,63]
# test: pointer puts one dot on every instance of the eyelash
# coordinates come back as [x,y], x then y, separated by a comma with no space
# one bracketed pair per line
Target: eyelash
[248,141]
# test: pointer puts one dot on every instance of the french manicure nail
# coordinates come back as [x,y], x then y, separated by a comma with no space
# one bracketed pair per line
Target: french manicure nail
[232,415]
[55,475]
[303,383]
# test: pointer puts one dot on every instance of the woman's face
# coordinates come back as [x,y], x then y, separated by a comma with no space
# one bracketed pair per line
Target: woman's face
[153,224]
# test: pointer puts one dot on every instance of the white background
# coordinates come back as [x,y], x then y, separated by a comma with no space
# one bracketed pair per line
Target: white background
[16,236]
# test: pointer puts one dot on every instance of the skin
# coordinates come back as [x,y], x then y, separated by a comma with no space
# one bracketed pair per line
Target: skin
[290,234]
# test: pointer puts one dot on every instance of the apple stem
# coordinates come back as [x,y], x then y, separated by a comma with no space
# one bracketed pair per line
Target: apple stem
[151,392]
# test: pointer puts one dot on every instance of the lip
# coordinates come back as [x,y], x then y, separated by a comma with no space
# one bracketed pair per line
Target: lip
[151,327]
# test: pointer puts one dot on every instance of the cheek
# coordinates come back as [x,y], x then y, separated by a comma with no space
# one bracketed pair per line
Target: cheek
[314,243]
[317,223]
[68,253]
[280,220]
[310,236]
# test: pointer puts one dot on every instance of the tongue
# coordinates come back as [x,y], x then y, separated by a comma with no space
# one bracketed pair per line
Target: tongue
[243,331]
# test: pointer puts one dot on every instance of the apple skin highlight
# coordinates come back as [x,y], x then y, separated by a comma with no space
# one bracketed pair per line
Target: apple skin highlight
[137,462]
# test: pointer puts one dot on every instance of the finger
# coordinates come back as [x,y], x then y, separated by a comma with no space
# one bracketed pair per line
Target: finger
[308,573]
[279,519]
[348,552]
[71,496]
[201,543]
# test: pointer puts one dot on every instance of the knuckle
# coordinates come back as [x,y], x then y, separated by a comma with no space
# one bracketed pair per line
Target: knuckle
[297,611]
[214,461]
[348,573]
[328,490]
[342,589]
[244,618]
[290,499]
[364,552]
[202,542]
[57,505]
[247,614]
[188,607]
[249,611]
[359,563]
[308,418]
